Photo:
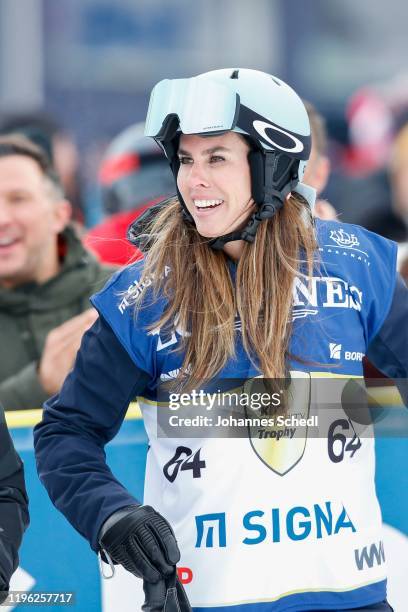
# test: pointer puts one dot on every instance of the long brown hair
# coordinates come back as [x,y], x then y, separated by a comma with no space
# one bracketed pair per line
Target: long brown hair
[203,300]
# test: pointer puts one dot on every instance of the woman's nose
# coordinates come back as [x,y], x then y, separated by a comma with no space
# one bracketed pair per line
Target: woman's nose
[198,176]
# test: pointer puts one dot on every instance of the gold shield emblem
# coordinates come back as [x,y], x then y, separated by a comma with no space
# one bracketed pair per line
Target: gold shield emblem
[282,443]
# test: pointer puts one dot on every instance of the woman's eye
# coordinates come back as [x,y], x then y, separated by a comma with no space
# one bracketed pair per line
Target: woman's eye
[216,158]
[184,160]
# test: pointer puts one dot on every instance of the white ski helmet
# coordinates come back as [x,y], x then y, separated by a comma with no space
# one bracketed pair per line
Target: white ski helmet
[258,105]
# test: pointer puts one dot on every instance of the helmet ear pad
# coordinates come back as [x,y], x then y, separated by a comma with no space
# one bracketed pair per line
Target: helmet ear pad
[282,171]
[256,162]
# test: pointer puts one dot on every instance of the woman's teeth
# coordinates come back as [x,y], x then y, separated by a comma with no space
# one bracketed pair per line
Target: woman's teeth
[207,203]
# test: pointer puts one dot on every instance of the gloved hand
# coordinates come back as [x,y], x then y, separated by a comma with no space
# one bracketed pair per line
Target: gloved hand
[141,540]
[167,595]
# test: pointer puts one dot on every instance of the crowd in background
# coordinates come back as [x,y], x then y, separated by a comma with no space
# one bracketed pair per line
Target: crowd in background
[363,179]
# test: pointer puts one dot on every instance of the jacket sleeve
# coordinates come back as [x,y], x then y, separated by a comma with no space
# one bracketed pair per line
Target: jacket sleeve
[13,507]
[388,350]
[23,390]
[77,424]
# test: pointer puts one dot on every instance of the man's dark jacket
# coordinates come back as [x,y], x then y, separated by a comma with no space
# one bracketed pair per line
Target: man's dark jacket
[29,312]
[13,507]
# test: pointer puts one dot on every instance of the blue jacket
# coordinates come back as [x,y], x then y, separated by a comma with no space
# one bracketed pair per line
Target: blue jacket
[364,308]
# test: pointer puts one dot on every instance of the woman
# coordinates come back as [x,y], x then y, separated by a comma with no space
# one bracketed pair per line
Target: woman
[237,282]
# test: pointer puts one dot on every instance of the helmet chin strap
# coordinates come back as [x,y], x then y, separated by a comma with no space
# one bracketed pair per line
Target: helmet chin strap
[218,242]
[248,233]
[273,200]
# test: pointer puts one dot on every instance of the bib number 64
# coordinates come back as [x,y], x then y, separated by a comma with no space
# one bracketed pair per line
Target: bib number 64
[337,442]
[184,460]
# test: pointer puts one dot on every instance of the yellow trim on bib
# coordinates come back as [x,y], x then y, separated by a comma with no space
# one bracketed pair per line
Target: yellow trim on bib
[17,419]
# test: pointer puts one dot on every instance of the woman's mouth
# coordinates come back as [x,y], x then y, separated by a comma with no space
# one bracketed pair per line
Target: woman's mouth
[202,205]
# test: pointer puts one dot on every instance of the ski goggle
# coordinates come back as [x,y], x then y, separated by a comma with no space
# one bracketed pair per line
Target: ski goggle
[198,105]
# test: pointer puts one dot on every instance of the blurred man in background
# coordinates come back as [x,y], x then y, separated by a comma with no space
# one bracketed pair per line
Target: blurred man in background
[392,221]
[134,175]
[318,167]
[13,507]
[44,131]
[399,189]
[46,278]
[399,176]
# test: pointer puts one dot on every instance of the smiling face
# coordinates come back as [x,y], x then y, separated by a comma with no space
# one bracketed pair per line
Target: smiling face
[215,183]
[30,220]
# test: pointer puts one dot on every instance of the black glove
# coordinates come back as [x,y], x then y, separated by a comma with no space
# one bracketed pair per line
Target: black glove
[141,540]
[167,595]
